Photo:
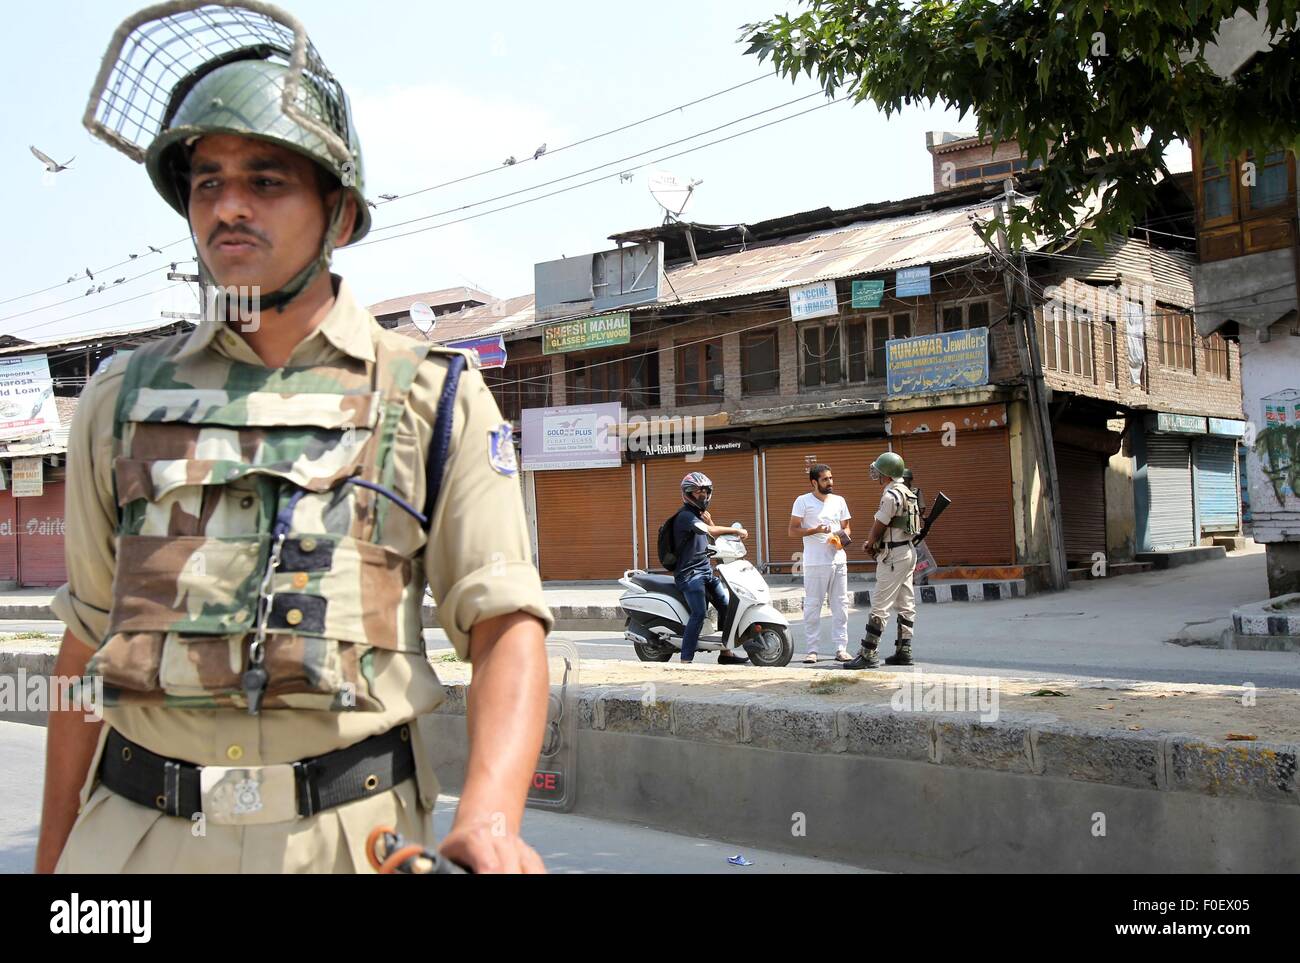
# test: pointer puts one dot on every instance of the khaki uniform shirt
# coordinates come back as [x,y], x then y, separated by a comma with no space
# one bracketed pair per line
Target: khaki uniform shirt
[892,512]
[478,559]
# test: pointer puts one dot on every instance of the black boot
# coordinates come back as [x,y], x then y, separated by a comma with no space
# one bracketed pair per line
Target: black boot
[865,659]
[902,653]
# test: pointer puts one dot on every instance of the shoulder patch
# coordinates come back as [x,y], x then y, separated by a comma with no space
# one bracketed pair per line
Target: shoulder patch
[106,362]
[501,450]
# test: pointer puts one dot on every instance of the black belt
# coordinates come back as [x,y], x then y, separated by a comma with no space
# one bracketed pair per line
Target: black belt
[367,768]
[898,544]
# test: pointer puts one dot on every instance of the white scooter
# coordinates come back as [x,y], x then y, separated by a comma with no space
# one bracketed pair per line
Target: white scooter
[657,612]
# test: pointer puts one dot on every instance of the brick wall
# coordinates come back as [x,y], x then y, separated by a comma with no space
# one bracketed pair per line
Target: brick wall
[1165,389]
[971,156]
[729,322]
[1170,390]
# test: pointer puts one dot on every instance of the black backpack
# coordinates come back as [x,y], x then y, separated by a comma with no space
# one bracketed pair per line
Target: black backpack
[667,547]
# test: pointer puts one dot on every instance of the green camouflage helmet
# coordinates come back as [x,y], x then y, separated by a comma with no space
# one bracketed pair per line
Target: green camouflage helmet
[889,465]
[244,96]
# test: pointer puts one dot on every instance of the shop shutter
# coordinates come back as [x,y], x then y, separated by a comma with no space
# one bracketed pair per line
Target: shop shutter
[39,524]
[8,539]
[1081,477]
[1169,481]
[979,528]
[584,523]
[734,496]
[1216,484]
[786,477]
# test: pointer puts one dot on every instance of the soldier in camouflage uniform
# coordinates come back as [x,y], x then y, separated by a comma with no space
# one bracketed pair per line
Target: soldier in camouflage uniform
[254,509]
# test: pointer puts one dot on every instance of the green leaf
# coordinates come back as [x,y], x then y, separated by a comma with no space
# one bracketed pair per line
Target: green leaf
[981,49]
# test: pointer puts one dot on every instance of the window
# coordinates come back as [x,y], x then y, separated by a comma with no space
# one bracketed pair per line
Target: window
[820,354]
[1216,189]
[885,328]
[760,371]
[1270,187]
[1216,357]
[630,378]
[699,373]
[1108,350]
[1174,329]
[972,314]
[1065,339]
[520,385]
[996,169]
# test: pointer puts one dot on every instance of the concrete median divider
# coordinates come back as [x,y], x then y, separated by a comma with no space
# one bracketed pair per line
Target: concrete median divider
[911,790]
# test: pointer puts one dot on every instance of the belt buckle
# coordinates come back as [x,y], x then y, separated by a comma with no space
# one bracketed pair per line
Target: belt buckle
[249,796]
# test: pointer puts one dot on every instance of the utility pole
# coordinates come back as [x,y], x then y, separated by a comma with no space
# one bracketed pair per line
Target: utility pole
[1022,332]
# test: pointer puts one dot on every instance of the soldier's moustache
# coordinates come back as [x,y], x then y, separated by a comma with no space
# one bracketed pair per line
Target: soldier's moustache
[223,229]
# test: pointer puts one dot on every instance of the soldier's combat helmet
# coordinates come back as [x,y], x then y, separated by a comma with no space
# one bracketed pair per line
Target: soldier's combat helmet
[177,71]
[888,464]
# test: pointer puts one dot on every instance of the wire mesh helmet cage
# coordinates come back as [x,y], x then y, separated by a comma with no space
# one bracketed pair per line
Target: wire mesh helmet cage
[158,54]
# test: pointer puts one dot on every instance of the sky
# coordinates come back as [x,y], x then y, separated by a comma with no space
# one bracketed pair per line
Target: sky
[440,90]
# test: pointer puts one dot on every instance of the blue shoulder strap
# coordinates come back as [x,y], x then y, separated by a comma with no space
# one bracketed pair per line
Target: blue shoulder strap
[441,441]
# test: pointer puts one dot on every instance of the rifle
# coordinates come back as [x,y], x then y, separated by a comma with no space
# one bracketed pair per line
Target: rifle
[941,503]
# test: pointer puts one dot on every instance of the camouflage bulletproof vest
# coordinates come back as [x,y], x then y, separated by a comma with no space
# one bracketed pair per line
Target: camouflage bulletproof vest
[907,519]
[215,459]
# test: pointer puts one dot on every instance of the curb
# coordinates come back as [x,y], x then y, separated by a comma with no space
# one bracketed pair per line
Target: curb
[1028,744]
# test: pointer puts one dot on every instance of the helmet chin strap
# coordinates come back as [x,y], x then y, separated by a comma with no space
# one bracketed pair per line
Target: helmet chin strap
[278,299]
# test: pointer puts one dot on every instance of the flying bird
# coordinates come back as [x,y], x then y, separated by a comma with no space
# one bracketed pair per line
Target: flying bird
[50,163]
[509,161]
[539,152]
[89,275]
[388,197]
[154,249]
[119,280]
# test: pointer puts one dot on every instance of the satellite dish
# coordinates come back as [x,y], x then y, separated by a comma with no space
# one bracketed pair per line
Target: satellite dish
[671,192]
[422,316]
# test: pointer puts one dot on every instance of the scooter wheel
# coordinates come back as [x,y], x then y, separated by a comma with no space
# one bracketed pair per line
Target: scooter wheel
[650,651]
[773,648]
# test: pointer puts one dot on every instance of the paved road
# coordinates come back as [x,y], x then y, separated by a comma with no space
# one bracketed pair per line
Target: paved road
[1111,629]
[568,843]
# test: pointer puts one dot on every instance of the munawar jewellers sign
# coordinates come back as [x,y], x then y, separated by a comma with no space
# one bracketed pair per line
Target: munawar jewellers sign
[598,332]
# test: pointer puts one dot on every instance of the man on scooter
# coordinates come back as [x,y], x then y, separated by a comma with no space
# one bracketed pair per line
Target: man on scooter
[694,572]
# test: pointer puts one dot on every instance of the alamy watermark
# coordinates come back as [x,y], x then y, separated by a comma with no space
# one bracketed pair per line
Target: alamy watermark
[37,692]
[654,435]
[921,693]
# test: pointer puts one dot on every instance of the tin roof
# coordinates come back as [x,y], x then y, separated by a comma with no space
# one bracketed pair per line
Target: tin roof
[864,247]
[434,299]
[161,327]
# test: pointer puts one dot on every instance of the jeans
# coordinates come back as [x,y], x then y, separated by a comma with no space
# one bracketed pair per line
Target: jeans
[700,588]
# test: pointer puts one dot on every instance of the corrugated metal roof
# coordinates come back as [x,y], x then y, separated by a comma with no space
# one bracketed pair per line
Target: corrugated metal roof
[443,296]
[38,347]
[499,317]
[867,247]
[864,247]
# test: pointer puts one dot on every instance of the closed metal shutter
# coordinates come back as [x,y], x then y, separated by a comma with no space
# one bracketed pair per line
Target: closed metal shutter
[1169,481]
[40,538]
[786,477]
[979,528]
[8,539]
[584,523]
[734,496]
[1081,475]
[1216,484]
